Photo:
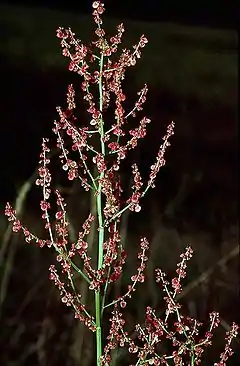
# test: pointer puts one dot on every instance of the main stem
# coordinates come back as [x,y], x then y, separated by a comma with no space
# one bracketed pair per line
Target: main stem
[101,227]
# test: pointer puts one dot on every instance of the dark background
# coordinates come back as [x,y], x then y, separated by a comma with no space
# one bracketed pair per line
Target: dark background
[223,14]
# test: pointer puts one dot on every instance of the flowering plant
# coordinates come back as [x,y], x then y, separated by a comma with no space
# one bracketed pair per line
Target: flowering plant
[106,145]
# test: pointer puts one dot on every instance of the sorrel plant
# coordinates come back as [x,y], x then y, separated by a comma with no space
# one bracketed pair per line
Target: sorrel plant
[101,147]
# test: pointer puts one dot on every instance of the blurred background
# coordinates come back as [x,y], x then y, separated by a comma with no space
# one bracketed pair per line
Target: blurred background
[191,67]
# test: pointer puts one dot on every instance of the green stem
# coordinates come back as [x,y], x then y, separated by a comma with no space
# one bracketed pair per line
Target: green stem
[98,326]
[98,312]
[192,358]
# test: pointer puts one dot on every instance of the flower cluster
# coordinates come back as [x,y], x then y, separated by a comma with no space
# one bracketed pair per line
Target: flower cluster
[182,333]
[92,154]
